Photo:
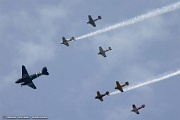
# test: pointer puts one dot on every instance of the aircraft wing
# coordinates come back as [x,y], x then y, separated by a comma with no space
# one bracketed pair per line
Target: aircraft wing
[90,18]
[101,99]
[135,109]
[119,86]
[93,24]
[31,84]
[102,52]
[134,106]
[64,39]
[66,43]
[24,71]
[98,93]
[91,21]
[137,112]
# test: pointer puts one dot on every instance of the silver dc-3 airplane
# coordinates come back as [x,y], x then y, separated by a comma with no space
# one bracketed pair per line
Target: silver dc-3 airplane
[27,79]
[103,52]
[92,21]
[66,41]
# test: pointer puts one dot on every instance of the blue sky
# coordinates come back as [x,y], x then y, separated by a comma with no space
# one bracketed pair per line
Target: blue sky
[31,31]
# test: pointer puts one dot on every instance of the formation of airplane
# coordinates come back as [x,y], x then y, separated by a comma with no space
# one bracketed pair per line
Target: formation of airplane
[100,96]
[120,87]
[66,41]
[92,21]
[27,79]
[103,52]
[136,109]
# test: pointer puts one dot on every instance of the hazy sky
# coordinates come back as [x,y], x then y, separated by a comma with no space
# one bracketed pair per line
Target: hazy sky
[30,35]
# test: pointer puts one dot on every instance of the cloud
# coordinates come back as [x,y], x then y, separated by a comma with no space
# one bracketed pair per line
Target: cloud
[8,79]
[32,53]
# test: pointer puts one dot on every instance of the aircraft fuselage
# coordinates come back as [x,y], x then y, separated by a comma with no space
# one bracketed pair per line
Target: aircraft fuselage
[99,97]
[28,79]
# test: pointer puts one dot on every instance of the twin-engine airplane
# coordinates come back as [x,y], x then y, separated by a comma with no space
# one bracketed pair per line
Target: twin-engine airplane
[103,52]
[100,96]
[119,86]
[27,79]
[65,41]
[135,109]
[91,21]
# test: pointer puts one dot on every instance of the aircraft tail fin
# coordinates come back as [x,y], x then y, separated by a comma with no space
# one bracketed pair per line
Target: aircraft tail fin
[110,48]
[99,17]
[72,38]
[44,71]
[107,93]
[143,106]
[127,83]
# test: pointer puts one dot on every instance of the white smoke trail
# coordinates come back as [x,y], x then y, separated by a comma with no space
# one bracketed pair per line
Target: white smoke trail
[136,19]
[149,82]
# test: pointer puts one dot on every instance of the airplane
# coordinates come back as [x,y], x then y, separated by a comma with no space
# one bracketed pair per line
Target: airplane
[102,52]
[91,21]
[135,109]
[27,79]
[65,41]
[100,96]
[119,86]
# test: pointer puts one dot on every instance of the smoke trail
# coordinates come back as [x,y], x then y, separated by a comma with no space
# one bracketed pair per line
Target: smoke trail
[157,12]
[149,82]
